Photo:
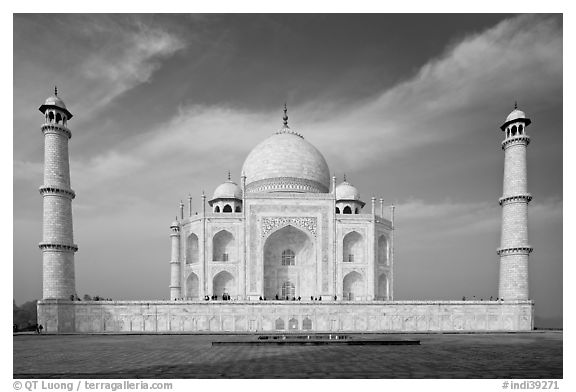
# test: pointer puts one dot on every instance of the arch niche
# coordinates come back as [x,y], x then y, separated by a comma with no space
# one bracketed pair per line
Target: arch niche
[192,249]
[382,250]
[353,286]
[192,287]
[302,273]
[222,246]
[353,247]
[224,282]
[382,289]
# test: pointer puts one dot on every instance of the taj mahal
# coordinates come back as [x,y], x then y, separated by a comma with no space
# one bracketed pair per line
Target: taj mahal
[286,232]
[285,249]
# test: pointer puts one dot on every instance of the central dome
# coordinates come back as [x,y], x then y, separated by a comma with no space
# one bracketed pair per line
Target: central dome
[285,162]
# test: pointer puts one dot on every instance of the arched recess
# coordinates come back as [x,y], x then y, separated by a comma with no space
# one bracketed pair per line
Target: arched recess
[222,246]
[192,286]
[279,324]
[353,286]
[337,210]
[224,283]
[353,247]
[238,209]
[382,250]
[382,290]
[347,210]
[227,208]
[302,273]
[192,249]
[292,324]
[217,209]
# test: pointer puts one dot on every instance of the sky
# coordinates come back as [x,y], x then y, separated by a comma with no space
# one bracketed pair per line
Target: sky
[408,106]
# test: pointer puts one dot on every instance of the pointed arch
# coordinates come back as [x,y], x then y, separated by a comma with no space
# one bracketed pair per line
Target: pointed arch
[58,118]
[337,210]
[192,286]
[383,249]
[217,209]
[353,247]
[227,208]
[514,130]
[192,249]
[279,324]
[382,289]
[347,210]
[292,324]
[222,246]
[224,283]
[302,274]
[353,286]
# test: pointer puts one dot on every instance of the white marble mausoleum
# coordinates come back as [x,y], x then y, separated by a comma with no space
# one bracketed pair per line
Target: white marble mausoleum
[286,231]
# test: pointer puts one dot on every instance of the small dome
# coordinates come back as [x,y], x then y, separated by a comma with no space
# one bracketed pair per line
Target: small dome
[227,190]
[347,191]
[174,224]
[54,100]
[515,115]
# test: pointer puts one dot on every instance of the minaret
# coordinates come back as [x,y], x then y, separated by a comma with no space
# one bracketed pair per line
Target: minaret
[57,244]
[514,248]
[175,288]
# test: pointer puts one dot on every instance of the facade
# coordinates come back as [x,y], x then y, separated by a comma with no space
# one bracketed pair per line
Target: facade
[286,232]
[285,250]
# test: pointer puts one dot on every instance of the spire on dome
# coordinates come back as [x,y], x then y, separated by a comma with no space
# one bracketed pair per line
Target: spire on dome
[285,118]
[229,176]
[56,90]
[515,104]
[344,177]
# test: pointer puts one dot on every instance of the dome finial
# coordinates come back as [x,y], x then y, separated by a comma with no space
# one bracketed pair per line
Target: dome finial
[515,105]
[344,177]
[229,176]
[285,118]
[56,90]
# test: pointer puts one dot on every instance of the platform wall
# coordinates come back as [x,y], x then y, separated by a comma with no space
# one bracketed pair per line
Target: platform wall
[57,316]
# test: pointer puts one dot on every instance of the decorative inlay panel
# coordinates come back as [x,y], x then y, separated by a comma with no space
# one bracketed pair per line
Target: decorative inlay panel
[271,223]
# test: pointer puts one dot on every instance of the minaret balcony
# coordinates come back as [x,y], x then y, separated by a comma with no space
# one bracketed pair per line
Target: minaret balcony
[48,189]
[57,246]
[515,250]
[53,127]
[520,139]
[523,198]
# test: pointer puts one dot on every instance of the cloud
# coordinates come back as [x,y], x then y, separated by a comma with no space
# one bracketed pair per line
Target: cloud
[439,102]
[128,57]
[520,58]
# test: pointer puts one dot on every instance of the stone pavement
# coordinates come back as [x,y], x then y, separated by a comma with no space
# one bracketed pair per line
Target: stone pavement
[505,355]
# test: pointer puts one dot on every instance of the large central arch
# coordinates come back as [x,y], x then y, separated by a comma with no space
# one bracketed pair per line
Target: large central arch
[281,270]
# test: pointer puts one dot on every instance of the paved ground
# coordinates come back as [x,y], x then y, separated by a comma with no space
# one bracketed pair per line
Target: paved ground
[520,355]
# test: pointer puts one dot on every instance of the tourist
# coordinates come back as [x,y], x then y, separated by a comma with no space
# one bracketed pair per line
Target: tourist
[40,328]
